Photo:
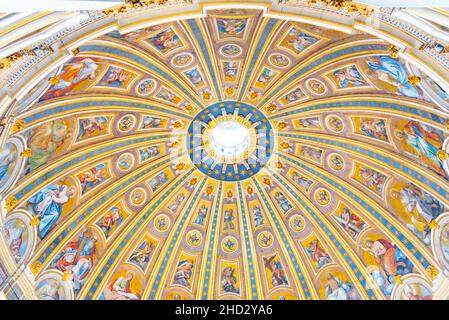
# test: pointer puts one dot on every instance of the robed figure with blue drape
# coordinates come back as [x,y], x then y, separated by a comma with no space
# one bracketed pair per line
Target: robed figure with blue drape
[394,69]
[47,205]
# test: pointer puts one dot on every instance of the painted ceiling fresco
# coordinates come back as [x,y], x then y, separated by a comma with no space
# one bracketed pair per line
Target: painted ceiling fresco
[112,193]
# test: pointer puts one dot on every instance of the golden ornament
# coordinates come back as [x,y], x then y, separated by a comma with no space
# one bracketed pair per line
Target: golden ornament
[26,153]
[442,154]
[19,125]
[414,80]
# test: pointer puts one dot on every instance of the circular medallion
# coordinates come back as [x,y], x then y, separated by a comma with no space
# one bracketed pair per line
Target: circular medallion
[265,239]
[194,238]
[138,196]
[231,50]
[229,244]
[146,87]
[279,60]
[126,123]
[316,86]
[334,123]
[125,161]
[161,222]
[322,197]
[230,141]
[296,223]
[182,60]
[336,162]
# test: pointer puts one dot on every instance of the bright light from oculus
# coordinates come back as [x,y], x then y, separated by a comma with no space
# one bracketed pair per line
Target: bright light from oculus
[230,139]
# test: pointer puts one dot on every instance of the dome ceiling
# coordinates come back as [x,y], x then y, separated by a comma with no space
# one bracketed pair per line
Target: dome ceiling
[123,169]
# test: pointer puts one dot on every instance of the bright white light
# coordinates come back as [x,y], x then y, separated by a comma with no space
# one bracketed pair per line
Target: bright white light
[230,139]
